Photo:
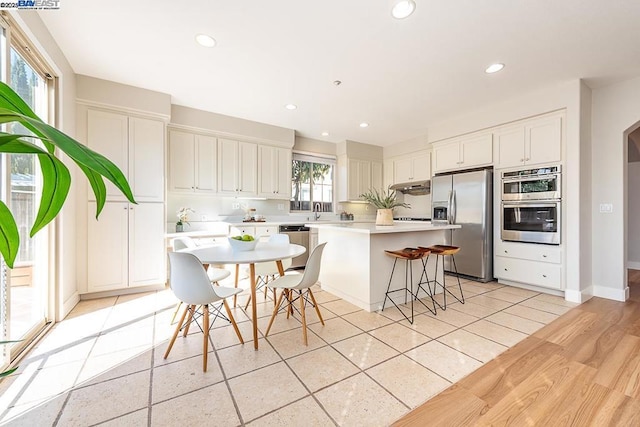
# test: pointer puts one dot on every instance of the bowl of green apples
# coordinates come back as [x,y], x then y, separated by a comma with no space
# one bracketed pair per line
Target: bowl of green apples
[243,243]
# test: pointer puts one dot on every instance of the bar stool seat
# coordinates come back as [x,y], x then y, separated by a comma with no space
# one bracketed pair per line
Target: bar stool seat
[408,255]
[442,251]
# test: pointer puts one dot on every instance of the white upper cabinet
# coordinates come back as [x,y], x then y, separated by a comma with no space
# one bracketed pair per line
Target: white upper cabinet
[274,172]
[136,146]
[192,162]
[357,177]
[237,167]
[412,167]
[530,142]
[463,153]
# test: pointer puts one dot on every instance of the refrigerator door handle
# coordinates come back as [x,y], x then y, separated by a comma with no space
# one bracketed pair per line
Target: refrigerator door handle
[454,207]
[449,207]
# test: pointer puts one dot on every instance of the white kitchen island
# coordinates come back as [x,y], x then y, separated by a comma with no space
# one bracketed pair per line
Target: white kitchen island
[355,266]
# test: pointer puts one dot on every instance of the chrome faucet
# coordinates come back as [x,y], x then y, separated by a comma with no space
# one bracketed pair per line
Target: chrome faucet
[316,211]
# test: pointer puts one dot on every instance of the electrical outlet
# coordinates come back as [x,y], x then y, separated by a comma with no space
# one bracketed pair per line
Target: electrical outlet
[280,206]
[606,208]
[340,207]
[366,208]
[235,206]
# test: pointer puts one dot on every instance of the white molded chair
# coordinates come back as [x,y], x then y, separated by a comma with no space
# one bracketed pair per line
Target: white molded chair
[300,284]
[190,284]
[266,272]
[215,274]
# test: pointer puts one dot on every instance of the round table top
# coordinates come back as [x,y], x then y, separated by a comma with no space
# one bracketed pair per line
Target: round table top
[264,252]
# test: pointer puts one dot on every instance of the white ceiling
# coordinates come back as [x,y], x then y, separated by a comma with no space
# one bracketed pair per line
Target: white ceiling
[399,76]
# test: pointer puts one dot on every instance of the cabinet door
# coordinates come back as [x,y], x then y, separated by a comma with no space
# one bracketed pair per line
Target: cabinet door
[509,147]
[248,168]
[146,244]
[402,170]
[181,155]
[421,165]
[268,171]
[388,174]
[107,247]
[376,176]
[476,151]
[228,160]
[446,156]
[146,159]
[108,134]
[283,182]
[544,141]
[354,179]
[206,165]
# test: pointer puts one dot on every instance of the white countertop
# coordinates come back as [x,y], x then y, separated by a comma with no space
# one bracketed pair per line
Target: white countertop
[371,228]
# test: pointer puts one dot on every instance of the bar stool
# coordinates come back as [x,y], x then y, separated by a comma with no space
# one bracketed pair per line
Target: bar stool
[408,255]
[442,251]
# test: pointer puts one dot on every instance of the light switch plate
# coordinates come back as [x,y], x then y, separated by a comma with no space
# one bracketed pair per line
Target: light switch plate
[606,208]
[235,206]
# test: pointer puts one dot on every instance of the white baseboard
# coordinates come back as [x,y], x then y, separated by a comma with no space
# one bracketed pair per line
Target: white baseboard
[611,293]
[68,305]
[634,265]
[578,296]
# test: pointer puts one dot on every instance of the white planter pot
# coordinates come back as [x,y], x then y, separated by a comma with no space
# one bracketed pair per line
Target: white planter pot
[384,217]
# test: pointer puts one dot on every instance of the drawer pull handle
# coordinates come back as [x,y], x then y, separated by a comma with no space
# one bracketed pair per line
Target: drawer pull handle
[506,269]
[544,275]
[544,256]
[506,252]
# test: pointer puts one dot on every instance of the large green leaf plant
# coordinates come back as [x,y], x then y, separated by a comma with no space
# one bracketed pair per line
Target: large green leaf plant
[56,179]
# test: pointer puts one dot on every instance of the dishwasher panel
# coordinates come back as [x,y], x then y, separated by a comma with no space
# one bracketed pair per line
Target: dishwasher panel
[298,235]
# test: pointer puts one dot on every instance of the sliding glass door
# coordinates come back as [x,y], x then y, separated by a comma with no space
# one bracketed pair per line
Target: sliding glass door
[27,289]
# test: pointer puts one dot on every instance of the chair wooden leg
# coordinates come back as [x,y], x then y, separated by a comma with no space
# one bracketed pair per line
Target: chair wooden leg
[192,309]
[205,329]
[315,304]
[235,297]
[289,298]
[275,312]
[175,334]
[175,313]
[304,319]
[248,302]
[233,321]
[274,296]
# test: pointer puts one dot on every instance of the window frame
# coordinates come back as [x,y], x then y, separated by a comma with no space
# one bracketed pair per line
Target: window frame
[318,159]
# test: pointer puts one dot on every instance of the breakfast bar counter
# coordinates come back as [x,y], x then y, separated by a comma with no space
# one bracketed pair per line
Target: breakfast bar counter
[355,266]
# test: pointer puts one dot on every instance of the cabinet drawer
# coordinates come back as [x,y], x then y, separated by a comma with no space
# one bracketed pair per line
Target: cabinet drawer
[528,272]
[240,230]
[529,251]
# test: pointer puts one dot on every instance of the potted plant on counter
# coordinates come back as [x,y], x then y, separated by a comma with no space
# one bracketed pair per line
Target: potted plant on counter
[384,202]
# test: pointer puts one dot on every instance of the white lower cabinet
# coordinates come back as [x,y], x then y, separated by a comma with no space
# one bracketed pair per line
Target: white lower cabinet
[125,246]
[538,265]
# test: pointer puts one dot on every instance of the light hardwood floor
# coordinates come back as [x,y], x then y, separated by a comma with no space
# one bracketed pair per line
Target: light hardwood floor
[582,369]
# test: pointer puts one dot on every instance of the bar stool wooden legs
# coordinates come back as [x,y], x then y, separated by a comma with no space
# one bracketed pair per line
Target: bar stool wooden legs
[442,251]
[408,255]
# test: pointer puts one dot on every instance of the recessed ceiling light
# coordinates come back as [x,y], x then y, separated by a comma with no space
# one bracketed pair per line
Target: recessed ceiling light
[205,40]
[291,106]
[403,9]
[325,133]
[494,68]
[364,125]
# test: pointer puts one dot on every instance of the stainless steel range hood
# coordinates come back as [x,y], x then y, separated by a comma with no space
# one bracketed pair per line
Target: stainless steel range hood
[415,188]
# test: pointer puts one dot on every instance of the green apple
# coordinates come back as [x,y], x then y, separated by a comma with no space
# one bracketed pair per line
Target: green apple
[247,238]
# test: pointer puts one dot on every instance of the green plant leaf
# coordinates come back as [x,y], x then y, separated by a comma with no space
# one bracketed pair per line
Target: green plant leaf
[56,178]
[9,372]
[99,189]
[80,154]
[9,236]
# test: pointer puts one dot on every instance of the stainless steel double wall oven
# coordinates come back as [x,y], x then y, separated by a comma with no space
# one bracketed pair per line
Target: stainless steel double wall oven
[531,203]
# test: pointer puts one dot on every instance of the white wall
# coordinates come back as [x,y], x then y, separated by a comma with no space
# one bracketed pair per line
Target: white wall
[66,283]
[634,216]
[616,109]
[309,145]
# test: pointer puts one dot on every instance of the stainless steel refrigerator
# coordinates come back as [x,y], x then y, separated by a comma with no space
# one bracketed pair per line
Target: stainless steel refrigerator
[466,199]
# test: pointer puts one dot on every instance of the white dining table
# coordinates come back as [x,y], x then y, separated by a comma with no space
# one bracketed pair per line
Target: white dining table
[264,252]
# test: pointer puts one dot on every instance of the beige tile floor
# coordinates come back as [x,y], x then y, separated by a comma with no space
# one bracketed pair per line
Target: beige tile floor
[104,365]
